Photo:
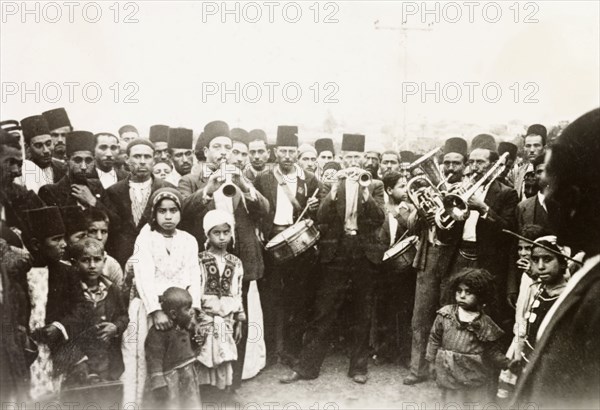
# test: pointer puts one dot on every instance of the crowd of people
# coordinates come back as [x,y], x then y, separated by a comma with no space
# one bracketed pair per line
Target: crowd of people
[173,268]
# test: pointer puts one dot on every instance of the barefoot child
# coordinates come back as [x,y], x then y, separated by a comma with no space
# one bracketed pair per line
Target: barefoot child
[170,357]
[222,309]
[463,344]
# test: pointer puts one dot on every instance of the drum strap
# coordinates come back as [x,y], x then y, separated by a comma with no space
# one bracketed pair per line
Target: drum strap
[286,188]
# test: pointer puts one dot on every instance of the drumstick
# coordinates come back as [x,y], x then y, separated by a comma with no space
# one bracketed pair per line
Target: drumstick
[306,207]
[541,246]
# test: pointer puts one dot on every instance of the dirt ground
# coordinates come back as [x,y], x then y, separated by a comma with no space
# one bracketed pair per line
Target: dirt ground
[332,390]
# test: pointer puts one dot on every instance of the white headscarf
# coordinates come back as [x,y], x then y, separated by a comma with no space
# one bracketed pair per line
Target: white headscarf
[217,217]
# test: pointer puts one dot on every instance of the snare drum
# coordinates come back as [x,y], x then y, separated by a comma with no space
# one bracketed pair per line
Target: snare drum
[402,253]
[293,241]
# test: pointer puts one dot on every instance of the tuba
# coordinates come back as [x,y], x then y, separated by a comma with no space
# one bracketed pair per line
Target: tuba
[455,203]
[425,191]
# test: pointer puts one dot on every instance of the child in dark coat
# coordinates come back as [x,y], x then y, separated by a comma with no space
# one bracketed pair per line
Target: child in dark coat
[170,358]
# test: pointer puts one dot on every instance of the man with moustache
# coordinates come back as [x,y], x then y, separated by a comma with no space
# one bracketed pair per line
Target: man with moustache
[59,125]
[77,187]
[159,136]
[390,162]
[432,261]
[350,215]
[180,150]
[239,149]
[105,155]
[307,158]
[564,371]
[285,288]
[325,154]
[40,168]
[128,200]
[258,152]
[534,145]
[373,158]
[204,192]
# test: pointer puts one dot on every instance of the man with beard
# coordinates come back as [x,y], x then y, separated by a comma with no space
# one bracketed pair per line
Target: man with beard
[128,200]
[180,151]
[307,158]
[159,136]
[325,154]
[350,213]
[534,145]
[285,288]
[60,126]
[14,198]
[373,158]
[77,187]
[105,155]
[390,162]
[40,169]
[564,371]
[432,262]
[258,153]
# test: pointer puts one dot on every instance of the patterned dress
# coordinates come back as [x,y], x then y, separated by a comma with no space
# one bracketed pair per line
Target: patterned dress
[157,266]
[221,281]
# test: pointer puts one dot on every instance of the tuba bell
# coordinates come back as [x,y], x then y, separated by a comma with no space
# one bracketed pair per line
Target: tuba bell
[456,202]
[425,191]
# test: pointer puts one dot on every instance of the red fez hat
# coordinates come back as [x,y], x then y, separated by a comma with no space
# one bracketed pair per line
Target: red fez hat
[456,145]
[324,144]
[45,222]
[287,136]
[216,129]
[80,141]
[57,118]
[509,147]
[159,133]
[182,138]
[34,126]
[484,141]
[257,135]
[353,142]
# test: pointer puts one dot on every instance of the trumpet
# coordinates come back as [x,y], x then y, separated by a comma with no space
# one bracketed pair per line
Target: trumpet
[425,191]
[228,188]
[456,203]
[363,177]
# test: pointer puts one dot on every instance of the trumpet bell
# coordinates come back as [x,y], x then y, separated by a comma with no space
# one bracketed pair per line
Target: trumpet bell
[456,207]
[365,179]
[229,190]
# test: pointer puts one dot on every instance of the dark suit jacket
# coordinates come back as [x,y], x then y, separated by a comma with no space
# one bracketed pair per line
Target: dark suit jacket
[564,370]
[59,194]
[370,217]
[123,231]
[493,246]
[59,168]
[530,211]
[15,200]
[266,184]
[247,246]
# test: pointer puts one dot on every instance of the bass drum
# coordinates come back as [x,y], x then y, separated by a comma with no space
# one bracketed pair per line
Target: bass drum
[293,241]
[402,253]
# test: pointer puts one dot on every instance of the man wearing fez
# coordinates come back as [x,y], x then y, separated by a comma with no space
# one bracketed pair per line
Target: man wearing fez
[307,158]
[14,198]
[325,153]
[350,213]
[106,152]
[289,189]
[258,153]
[534,145]
[128,200]
[180,150]
[432,261]
[159,136]
[59,125]
[40,168]
[239,150]
[205,192]
[127,133]
[564,371]
[77,187]
[481,243]
[55,299]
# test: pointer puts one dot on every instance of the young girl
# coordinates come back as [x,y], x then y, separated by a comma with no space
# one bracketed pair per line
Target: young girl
[550,271]
[170,355]
[164,257]
[222,309]
[463,344]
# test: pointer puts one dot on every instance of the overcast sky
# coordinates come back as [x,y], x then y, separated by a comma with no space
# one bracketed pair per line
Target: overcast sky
[364,61]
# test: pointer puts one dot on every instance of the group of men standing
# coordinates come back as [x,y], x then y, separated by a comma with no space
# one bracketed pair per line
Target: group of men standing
[358,218]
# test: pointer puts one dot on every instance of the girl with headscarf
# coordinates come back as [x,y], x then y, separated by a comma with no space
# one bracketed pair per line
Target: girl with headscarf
[164,257]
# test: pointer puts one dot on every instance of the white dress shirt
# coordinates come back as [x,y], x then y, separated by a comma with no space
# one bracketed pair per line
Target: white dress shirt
[107,178]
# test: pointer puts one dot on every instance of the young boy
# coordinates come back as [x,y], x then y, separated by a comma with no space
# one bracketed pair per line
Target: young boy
[97,223]
[55,299]
[106,318]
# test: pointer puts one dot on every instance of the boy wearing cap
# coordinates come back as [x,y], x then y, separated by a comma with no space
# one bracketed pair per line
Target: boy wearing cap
[76,188]
[55,299]
[59,125]
[40,168]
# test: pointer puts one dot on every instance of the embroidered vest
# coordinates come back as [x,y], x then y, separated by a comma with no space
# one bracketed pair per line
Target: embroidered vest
[215,285]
